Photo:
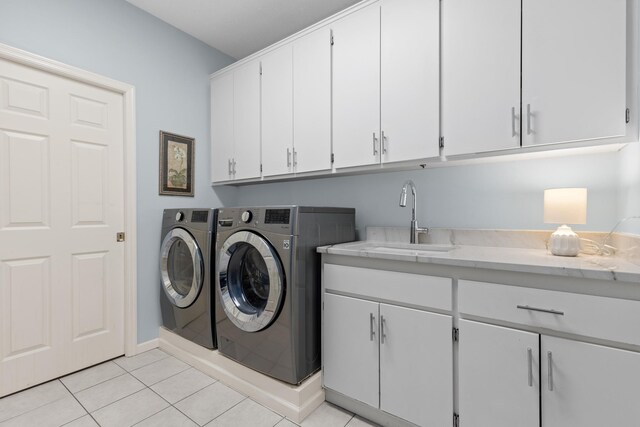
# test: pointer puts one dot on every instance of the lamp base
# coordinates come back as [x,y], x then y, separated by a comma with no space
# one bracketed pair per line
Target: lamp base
[564,242]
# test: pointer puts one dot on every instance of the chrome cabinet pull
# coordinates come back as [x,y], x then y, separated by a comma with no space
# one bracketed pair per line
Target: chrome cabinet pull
[529,130]
[295,158]
[288,158]
[229,167]
[382,334]
[514,132]
[541,310]
[234,167]
[384,142]
[550,374]
[375,140]
[372,320]
[530,362]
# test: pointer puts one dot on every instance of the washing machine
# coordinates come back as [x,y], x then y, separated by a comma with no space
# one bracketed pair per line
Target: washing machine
[186,263]
[267,283]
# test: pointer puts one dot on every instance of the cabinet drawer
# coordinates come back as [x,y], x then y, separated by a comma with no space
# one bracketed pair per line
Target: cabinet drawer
[599,317]
[392,286]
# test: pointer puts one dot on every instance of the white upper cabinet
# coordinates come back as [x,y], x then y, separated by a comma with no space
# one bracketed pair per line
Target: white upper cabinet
[277,111]
[410,70]
[222,127]
[356,88]
[246,118]
[574,70]
[312,101]
[480,75]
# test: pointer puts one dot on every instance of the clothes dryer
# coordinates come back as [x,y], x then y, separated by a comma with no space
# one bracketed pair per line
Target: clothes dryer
[267,284]
[186,263]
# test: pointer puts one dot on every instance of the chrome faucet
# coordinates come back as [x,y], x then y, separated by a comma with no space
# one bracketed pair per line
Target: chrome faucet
[415,230]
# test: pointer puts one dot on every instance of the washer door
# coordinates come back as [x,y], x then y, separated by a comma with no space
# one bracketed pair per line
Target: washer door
[181,267]
[250,281]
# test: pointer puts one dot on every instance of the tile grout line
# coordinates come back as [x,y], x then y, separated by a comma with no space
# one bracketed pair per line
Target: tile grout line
[37,407]
[172,406]
[81,405]
[167,355]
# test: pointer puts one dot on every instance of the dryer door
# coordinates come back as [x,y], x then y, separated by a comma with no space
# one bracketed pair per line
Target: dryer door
[181,267]
[250,281]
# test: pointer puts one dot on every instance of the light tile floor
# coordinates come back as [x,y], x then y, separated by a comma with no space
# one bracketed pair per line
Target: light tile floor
[152,389]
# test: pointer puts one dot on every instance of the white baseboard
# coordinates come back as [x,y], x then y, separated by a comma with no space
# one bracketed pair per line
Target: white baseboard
[293,402]
[146,346]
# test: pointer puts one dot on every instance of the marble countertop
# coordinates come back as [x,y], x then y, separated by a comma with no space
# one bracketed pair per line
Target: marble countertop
[517,259]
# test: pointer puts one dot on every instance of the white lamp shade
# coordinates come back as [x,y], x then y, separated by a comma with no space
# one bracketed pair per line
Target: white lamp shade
[565,206]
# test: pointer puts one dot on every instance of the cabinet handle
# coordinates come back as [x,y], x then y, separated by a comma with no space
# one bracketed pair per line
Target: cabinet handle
[384,142]
[514,132]
[541,310]
[550,374]
[229,167]
[372,320]
[382,334]
[530,362]
[375,140]
[234,168]
[295,158]
[288,158]
[529,130]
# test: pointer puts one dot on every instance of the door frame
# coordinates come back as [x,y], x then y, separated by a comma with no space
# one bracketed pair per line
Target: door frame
[127,91]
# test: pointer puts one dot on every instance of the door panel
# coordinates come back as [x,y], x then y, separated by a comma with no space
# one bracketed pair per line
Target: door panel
[62,177]
[356,88]
[222,138]
[573,70]
[410,84]
[312,101]
[246,120]
[593,385]
[277,111]
[416,365]
[494,373]
[350,348]
[480,75]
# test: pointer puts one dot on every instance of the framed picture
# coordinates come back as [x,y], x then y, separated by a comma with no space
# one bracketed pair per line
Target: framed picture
[176,164]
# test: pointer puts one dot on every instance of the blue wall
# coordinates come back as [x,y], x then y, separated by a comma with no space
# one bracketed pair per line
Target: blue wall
[170,71]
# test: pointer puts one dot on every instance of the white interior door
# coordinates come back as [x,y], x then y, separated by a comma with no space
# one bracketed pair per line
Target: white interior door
[61,187]
[573,70]
[277,111]
[312,101]
[410,83]
[499,376]
[480,75]
[356,88]
[416,365]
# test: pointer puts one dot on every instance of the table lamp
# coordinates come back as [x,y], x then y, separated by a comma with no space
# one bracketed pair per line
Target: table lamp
[565,206]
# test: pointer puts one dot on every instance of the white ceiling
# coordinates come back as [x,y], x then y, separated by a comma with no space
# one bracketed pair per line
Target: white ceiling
[241,27]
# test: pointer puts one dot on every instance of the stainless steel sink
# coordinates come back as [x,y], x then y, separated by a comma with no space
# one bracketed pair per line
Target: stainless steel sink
[414,249]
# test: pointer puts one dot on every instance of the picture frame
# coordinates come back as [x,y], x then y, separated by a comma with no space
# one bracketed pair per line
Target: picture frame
[177,154]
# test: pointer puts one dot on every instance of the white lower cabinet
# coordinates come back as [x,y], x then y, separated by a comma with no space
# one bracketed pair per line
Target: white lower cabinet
[393,358]
[498,376]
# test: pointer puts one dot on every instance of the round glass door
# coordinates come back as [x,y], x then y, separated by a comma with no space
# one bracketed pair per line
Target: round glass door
[181,267]
[250,281]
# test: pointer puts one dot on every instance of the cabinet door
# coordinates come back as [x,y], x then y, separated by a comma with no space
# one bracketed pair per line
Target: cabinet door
[410,85]
[587,385]
[416,368]
[498,376]
[480,75]
[221,127]
[350,347]
[246,114]
[356,88]
[277,111]
[573,70]
[312,101]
